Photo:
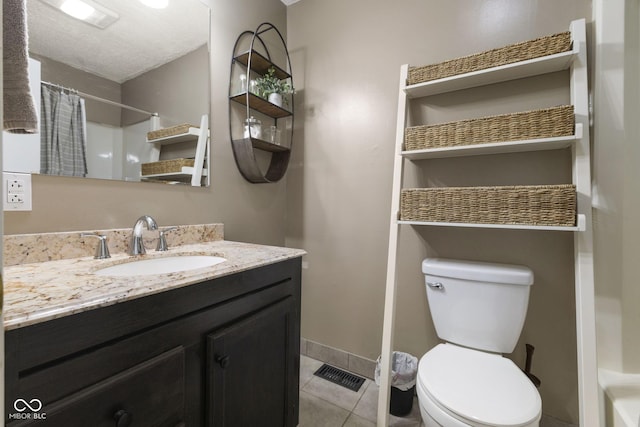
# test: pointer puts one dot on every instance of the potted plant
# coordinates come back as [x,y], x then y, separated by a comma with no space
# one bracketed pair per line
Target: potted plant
[272,88]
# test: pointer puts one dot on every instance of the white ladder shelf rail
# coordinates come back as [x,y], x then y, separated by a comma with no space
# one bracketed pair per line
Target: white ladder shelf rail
[589,405]
[201,150]
[576,61]
[201,153]
[392,257]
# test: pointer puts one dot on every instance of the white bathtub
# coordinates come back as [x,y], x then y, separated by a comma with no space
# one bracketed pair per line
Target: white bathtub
[621,398]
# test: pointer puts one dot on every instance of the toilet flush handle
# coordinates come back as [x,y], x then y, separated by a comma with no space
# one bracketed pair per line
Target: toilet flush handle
[436,285]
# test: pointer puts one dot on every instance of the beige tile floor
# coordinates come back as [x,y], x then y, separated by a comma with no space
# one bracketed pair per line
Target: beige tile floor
[324,404]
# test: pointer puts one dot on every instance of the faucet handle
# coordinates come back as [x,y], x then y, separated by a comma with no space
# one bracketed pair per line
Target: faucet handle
[162,241]
[102,250]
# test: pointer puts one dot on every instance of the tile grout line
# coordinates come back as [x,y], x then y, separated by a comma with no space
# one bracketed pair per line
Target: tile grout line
[368,382]
[301,386]
[330,403]
[321,398]
[350,412]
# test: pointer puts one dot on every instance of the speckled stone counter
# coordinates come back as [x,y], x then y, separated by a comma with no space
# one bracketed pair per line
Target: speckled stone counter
[41,247]
[42,291]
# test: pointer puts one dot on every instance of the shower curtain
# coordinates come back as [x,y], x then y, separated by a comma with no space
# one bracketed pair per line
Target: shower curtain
[63,133]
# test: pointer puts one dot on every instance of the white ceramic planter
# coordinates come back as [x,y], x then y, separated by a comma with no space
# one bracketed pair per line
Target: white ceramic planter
[276,98]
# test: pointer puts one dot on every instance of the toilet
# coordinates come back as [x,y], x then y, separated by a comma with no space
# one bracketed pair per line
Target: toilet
[478,309]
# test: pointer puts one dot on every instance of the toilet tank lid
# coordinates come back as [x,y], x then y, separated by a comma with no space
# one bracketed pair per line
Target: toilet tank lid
[478,271]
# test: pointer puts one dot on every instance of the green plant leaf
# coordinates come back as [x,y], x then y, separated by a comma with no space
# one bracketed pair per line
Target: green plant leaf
[269,83]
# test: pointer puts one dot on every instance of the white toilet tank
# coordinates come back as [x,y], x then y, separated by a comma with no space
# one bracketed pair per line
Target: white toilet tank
[476,304]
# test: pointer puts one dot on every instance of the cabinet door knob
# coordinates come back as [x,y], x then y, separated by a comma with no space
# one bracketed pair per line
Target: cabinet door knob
[122,418]
[223,361]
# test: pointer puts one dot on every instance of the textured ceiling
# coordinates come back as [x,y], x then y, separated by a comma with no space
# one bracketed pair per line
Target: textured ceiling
[141,40]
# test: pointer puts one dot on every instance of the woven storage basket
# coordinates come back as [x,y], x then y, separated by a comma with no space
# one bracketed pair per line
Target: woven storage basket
[544,123]
[523,51]
[165,166]
[524,205]
[170,131]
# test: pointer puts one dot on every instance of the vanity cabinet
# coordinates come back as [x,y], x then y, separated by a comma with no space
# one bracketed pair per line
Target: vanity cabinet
[150,393]
[246,362]
[223,352]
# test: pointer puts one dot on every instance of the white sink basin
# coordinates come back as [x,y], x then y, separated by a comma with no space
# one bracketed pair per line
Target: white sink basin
[171,264]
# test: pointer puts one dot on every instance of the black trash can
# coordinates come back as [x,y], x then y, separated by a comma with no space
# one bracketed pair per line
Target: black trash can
[404,369]
[401,401]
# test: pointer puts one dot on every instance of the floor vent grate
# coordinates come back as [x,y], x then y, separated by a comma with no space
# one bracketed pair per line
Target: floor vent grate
[340,377]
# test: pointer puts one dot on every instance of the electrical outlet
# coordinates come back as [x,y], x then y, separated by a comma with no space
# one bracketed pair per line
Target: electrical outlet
[15,186]
[15,198]
[17,191]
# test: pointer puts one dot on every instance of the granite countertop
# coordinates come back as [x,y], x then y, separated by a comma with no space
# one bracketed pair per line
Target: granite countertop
[42,291]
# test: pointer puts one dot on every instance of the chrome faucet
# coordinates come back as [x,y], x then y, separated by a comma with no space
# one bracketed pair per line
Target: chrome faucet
[102,250]
[137,245]
[162,241]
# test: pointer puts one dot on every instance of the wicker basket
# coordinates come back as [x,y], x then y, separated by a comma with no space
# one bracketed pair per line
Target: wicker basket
[553,205]
[170,131]
[165,166]
[523,51]
[544,123]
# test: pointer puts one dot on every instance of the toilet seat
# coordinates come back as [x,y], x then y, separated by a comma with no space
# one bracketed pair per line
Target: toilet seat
[477,388]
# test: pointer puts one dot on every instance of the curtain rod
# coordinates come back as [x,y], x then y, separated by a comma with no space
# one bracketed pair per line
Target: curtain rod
[97,98]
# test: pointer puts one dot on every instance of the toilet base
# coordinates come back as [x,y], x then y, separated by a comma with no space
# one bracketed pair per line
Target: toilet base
[434,416]
[460,376]
[427,421]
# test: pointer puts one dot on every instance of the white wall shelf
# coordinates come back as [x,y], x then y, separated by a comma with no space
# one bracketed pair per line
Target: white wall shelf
[580,221]
[503,73]
[496,147]
[185,172]
[576,62]
[193,134]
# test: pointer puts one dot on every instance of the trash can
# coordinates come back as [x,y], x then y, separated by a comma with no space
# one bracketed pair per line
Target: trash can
[404,368]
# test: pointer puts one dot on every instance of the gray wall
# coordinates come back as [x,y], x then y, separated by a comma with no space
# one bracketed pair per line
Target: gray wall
[62,74]
[250,212]
[177,91]
[617,190]
[346,58]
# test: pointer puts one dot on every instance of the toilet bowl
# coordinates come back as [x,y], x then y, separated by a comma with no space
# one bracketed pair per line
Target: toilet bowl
[478,309]
[459,387]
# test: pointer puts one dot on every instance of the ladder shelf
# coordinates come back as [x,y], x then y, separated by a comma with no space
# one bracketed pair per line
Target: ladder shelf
[575,61]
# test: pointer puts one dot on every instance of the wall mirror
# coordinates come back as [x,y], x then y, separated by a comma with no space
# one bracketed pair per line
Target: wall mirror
[138,89]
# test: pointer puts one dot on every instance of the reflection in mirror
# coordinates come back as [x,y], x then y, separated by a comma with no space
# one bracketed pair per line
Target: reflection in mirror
[136,94]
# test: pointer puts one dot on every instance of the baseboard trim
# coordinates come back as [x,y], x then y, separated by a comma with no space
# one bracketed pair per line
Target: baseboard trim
[339,358]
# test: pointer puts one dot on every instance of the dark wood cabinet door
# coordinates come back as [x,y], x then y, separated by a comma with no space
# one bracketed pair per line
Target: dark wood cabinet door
[150,394]
[252,370]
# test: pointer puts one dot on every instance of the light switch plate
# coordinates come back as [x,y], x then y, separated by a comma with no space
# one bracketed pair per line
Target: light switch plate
[16,191]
